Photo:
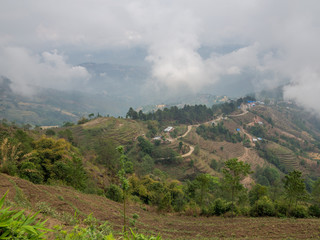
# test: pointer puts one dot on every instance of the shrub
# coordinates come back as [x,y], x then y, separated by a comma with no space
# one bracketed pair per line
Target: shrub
[114,193]
[29,171]
[263,207]
[219,207]
[192,209]
[299,212]
[50,132]
[281,208]
[244,211]
[314,210]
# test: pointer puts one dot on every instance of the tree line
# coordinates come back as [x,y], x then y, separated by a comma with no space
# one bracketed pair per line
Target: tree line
[188,114]
[208,195]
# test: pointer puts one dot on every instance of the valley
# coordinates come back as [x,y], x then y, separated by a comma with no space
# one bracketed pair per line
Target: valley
[176,170]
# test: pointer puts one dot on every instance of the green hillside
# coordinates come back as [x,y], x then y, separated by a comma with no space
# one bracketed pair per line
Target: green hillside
[179,160]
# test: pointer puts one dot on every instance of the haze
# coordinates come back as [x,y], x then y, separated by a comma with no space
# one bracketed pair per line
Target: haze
[220,47]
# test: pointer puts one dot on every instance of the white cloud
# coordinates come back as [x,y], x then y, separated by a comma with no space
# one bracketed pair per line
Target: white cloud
[27,70]
[279,40]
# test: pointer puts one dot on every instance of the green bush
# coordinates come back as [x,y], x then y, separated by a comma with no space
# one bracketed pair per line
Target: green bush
[263,207]
[314,210]
[50,132]
[299,212]
[281,208]
[219,207]
[114,193]
[29,171]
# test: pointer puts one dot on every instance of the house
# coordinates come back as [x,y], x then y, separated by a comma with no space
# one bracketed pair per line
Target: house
[259,139]
[156,138]
[47,127]
[168,129]
[238,129]
[254,140]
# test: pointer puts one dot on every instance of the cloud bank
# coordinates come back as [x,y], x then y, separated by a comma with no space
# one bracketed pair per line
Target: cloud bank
[277,41]
[46,70]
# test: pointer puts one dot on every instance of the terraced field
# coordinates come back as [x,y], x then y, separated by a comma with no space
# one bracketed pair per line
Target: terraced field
[285,155]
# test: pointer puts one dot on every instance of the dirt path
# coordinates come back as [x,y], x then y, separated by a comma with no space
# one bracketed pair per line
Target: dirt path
[187,132]
[238,115]
[189,153]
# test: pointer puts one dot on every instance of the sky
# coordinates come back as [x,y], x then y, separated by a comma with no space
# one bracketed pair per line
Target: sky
[270,42]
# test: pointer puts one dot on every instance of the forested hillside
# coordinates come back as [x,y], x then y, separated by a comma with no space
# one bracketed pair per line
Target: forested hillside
[241,158]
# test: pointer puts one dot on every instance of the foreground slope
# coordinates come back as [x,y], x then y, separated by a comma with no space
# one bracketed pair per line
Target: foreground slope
[59,203]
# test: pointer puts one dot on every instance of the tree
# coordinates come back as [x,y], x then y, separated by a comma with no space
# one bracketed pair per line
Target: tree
[203,180]
[132,114]
[124,182]
[257,192]
[316,192]
[295,188]
[233,172]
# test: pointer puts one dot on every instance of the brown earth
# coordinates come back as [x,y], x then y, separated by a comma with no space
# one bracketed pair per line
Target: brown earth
[170,226]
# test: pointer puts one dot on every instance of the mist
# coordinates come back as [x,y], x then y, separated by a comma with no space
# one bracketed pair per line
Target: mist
[273,43]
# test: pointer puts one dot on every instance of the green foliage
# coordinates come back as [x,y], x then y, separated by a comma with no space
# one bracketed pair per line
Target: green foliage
[196,150]
[218,133]
[50,132]
[258,191]
[50,161]
[83,120]
[66,134]
[271,157]
[123,181]
[267,176]
[263,207]
[314,210]
[107,153]
[299,211]
[92,230]
[219,207]
[31,172]
[153,127]
[146,165]
[114,193]
[136,236]
[15,225]
[258,130]
[315,194]
[214,164]
[68,124]
[186,115]
[294,186]
[145,145]
[233,173]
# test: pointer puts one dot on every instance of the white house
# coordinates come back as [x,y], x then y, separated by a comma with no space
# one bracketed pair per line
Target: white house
[168,129]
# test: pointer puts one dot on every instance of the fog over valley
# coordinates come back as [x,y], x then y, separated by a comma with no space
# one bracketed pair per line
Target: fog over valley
[143,52]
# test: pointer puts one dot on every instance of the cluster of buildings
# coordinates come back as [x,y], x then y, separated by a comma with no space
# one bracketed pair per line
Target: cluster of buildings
[166,130]
[249,105]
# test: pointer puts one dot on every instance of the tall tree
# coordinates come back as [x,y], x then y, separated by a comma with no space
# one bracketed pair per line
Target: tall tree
[124,182]
[233,172]
[295,188]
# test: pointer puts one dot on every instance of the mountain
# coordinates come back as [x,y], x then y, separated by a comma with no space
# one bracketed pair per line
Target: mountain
[53,107]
